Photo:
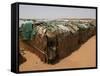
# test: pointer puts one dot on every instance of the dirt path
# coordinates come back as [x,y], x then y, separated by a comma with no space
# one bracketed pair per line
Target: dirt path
[83,57]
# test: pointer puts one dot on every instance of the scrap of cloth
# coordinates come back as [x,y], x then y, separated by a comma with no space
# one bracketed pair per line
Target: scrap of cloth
[28,31]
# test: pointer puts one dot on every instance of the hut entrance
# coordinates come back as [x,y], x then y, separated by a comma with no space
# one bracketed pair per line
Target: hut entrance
[52,49]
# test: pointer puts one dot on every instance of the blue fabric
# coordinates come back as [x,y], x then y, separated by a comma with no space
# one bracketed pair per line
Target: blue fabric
[28,31]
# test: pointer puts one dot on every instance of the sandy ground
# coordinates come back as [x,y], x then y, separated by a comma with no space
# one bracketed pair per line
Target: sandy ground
[83,57]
